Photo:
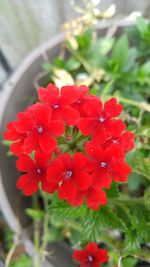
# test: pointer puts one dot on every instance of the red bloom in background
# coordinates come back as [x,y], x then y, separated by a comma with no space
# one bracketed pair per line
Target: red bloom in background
[71,175]
[123,139]
[107,164]
[91,255]
[60,101]
[34,173]
[34,129]
[99,122]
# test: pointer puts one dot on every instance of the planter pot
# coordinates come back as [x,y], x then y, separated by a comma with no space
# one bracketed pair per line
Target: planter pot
[18,93]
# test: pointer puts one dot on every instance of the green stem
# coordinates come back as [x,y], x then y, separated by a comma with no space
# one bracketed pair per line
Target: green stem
[36,233]
[140,105]
[46,222]
[127,201]
[106,89]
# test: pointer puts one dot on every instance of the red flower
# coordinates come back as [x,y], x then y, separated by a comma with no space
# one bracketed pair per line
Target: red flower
[60,101]
[123,139]
[34,129]
[35,173]
[94,198]
[71,175]
[83,98]
[107,164]
[99,122]
[91,255]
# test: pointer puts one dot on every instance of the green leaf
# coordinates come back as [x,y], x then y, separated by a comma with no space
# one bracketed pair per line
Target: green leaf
[64,210]
[132,242]
[113,190]
[35,214]
[109,218]
[85,40]
[72,64]
[141,166]
[97,220]
[47,67]
[120,50]
[134,181]
[91,227]
[22,261]
[142,25]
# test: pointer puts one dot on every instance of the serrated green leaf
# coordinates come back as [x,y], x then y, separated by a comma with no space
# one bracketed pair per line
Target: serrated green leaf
[113,190]
[123,213]
[64,210]
[132,242]
[91,227]
[108,218]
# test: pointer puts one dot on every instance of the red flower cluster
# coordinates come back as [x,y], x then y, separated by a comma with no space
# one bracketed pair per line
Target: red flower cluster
[80,162]
[91,255]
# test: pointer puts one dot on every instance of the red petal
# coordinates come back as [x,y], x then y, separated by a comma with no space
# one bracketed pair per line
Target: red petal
[114,127]
[80,255]
[66,160]
[54,174]
[47,143]
[23,181]
[93,107]
[42,158]
[91,248]
[114,153]
[44,94]
[32,188]
[69,115]
[99,135]
[69,95]
[16,148]
[24,124]
[41,113]
[83,89]
[126,140]
[87,125]
[95,198]
[67,190]
[121,171]
[25,163]
[49,187]
[56,128]
[101,178]
[102,255]
[112,108]
[11,133]
[83,180]
[79,161]
[77,199]
[30,142]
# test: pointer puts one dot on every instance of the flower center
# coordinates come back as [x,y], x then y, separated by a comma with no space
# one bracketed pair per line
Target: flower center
[40,129]
[115,141]
[101,119]
[90,258]
[55,106]
[38,170]
[79,101]
[103,164]
[68,174]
